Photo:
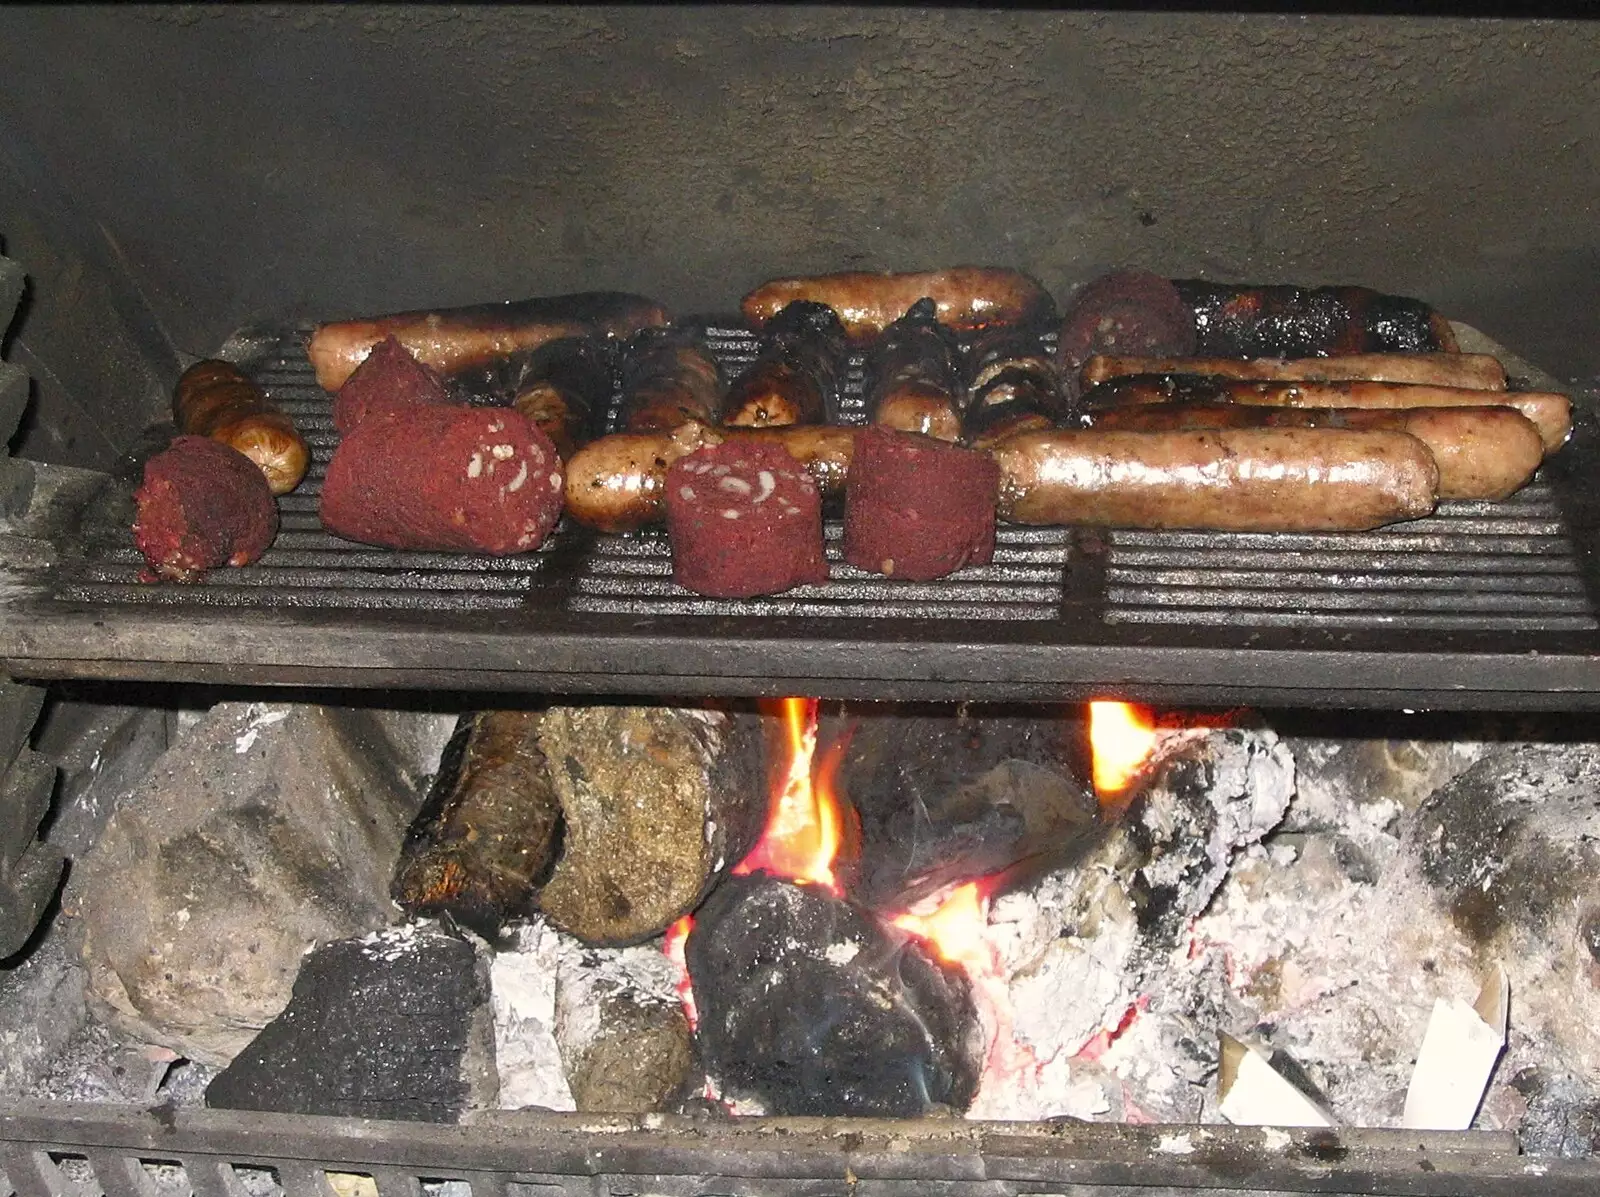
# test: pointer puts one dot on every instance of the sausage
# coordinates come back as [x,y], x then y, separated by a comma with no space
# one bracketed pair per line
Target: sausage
[1013,387]
[214,399]
[1476,371]
[616,484]
[1235,479]
[1551,413]
[1481,452]
[967,298]
[1282,321]
[451,339]
[796,375]
[913,375]
[668,379]
[563,386]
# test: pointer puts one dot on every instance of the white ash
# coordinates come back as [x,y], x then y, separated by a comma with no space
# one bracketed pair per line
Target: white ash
[549,991]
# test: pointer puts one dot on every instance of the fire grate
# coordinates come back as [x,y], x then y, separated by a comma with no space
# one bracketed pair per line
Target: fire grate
[67,1150]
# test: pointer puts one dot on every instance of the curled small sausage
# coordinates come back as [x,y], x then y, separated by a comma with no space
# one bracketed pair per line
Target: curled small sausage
[913,375]
[214,399]
[668,379]
[797,372]
[1014,387]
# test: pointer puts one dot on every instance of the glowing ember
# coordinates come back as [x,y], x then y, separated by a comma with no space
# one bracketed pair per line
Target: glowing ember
[1122,736]
[804,830]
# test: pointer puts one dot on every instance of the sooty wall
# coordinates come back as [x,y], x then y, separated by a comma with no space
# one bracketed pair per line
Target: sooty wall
[169,174]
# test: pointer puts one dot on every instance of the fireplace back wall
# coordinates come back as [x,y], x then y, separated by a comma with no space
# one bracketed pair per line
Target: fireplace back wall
[168,174]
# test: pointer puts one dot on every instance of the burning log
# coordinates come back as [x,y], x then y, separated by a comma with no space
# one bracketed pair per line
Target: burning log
[658,803]
[810,1005]
[489,829]
[949,797]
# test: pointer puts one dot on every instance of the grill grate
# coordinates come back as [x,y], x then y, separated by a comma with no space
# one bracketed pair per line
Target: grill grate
[1472,566]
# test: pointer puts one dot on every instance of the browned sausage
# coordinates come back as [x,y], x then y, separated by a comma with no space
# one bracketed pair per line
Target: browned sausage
[1481,452]
[1236,479]
[668,379]
[913,375]
[1550,412]
[451,339]
[213,399]
[1477,371]
[968,297]
[796,375]
[615,484]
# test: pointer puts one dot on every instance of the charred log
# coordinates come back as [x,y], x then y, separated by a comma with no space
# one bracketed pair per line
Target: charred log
[489,830]
[810,1005]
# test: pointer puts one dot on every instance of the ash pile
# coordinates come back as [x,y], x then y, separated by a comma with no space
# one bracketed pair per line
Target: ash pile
[613,908]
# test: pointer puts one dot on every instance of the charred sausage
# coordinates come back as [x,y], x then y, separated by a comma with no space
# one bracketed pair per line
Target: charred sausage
[1250,321]
[1550,413]
[1236,479]
[563,386]
[1013,387]
[796,375]
[913,375]
[1476,371]
[668,379]
[214,399]
[1481,452]
[967,298]
[617,483]
[451,339]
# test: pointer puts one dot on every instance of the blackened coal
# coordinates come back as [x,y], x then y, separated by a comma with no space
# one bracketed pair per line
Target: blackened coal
[810,1005]
[950,796]
[392,1025]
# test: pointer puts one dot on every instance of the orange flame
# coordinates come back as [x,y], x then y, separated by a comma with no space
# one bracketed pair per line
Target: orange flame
[955,929]
[806,827]
[673,948]
[1122,737]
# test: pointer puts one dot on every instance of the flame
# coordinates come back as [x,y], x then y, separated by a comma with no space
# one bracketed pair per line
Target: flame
[673,948]
[1122,737]
[806,825]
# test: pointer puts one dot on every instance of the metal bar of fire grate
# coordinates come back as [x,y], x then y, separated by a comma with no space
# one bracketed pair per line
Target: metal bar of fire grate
[67,1150]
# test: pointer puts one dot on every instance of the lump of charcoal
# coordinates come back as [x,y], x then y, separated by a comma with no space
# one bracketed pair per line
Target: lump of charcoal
[810,1005]
[389,380]
[395,1024]
[1132,313]
[917,508]
[949,795]
[201,505]
[744,519]
[445,478]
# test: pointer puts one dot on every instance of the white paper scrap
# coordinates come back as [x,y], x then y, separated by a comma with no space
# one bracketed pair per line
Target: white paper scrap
[1251,1092]
[1457,1059]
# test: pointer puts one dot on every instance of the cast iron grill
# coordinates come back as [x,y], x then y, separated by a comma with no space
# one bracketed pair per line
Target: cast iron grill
[1483,604]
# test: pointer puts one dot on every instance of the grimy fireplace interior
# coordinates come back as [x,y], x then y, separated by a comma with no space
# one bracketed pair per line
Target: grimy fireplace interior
[1133,862]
